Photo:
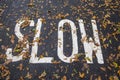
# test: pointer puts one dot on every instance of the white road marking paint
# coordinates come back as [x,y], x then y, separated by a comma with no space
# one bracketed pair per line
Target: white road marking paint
[20,37]
[60,41]
[34,58]
[90,46]
[32,23]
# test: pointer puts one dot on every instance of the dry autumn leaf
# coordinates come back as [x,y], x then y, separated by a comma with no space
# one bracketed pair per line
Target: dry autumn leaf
[12,39]
[103,68]
[28,75]
[99,78]
[87,58]
[81,75]
[20,67]
[25,24]
[64,78]
[42,75]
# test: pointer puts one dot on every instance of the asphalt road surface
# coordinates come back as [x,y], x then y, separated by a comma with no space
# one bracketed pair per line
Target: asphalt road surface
[106,13]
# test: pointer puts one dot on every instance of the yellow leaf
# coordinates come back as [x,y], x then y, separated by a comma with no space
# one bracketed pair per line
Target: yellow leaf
[115,64]
[81,75]
[87,58]
[94,17]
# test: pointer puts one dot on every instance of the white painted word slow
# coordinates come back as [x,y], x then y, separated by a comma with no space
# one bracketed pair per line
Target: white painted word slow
[89,45]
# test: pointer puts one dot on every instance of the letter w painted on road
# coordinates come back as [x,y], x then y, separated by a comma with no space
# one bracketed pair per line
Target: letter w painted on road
[90,46]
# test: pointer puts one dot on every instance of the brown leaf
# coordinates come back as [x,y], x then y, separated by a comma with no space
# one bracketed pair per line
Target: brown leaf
[21,78]
[25,24]
[1,24]
[31,4]
[2,56]
[43,20]
[42,75]
[12,39]
[118,72]
[64,78]
[56,62]
[103,68]
[8,61]
[20,67]
[119,48]
[99,78]
[84,39]
[29,76]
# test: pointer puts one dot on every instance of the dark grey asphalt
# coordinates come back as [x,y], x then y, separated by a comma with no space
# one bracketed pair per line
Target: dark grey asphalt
[49,8]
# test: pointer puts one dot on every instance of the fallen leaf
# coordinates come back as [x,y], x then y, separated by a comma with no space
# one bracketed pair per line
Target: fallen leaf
[64,78]
[81,75]
[42,75]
